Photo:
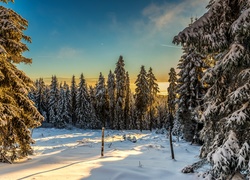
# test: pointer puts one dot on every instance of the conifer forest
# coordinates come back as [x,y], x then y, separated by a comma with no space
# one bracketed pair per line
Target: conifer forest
[207,101]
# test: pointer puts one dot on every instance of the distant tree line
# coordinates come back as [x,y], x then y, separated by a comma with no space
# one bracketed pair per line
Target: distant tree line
[109,104]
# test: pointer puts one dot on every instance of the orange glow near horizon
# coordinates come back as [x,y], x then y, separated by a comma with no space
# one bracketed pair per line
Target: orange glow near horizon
[92,82]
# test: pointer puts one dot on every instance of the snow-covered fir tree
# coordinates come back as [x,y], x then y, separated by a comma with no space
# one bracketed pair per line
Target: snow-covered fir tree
[171,99]
[66,109]
[84,112]
[153,90]
[62,108]
[73,92]
[141,97]
[224,30]
[111,99]
[46,104]
[120,76]
[39,96]
[101,100]
[54,95]
[95,124]
[133,115]
[17,112]
[127,105]
[190,90]
[171,102]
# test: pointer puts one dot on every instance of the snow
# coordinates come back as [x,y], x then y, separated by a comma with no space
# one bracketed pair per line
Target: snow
[75,154]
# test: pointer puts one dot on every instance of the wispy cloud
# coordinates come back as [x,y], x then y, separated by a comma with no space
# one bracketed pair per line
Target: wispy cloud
[170,46]
[64,52]
[67,52]
[54,32]
[162,21]
[113,18]
[163,15]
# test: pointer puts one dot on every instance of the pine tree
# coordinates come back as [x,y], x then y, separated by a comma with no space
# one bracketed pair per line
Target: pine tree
[153,90]
[127,103]
[120,75]
[141,96]
[95,123]
[73,92]
[190,90]
[39,95]
[54,95]
[111,99]
[61,109]
[224,31]
[46,104]
[171,104]
[65,111]
[17,112]
[84,111]
[101,100]
[81,101]
[133,115]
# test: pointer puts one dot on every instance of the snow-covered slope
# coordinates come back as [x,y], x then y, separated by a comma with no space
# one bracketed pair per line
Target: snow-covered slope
[75,154]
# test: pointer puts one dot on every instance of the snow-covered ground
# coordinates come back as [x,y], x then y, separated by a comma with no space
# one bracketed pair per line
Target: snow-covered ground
[75,154]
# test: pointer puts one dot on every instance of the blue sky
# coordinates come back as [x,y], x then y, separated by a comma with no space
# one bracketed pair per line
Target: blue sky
[88,36]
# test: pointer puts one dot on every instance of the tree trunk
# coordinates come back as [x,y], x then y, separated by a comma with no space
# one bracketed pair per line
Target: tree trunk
[150,118]
[140,121]
[102,149]
[170,134]
[171,143]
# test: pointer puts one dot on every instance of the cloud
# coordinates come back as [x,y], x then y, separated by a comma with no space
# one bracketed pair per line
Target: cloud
[67,52]
[114,25]
[160,22]
[54,33]
[160,15]
[163,15]
[170,46]
[113,18]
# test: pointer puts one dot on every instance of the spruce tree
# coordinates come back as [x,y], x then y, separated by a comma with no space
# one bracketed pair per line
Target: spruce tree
[153,90]
[39,95]
[141,96]
[81,101]
[101,100]
[95,123]
[65,113]
[46,104]
[84,109]
[127,103]
[190,90]
[73,92]
[54,95]
[224,31]
[120,76]
[111,99]
[61,109]
[132,111]
[171,104]
[17,112]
